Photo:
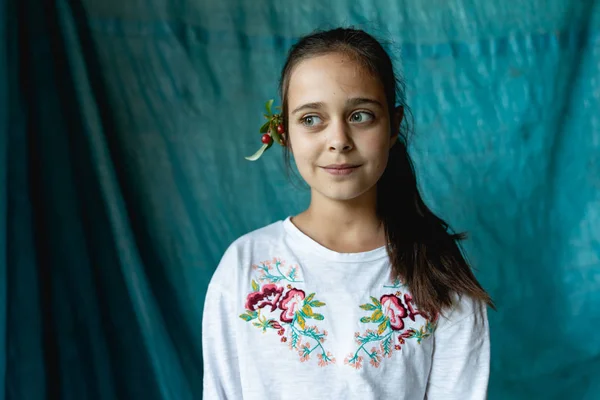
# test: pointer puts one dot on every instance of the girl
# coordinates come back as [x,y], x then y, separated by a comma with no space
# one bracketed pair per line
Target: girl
[365,295]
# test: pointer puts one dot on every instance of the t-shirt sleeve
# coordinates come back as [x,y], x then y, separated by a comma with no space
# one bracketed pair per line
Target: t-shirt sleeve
[461,357]
[220,355]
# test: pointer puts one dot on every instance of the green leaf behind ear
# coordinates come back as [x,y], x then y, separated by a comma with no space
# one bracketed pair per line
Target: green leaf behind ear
[265,127]
[274,134]
[259,153]
[268,106]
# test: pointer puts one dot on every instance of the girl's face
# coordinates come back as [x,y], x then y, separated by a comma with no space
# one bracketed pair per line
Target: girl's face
[339,126]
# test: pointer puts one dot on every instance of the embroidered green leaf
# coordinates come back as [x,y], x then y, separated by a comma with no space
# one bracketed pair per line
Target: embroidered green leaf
[318,317]
[257,324]
[307,310]
[368,307]
[382,327]
[294,340]
[377,316]
[261,318]
[317,303]
[375,301]
[249,315]
[365,320]
[255,286]
[430,327]
[301,321]
[309,298]
[292,274]
[246,317]
[387,346]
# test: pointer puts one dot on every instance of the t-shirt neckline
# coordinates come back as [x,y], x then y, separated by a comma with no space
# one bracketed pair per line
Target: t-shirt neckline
[312,247]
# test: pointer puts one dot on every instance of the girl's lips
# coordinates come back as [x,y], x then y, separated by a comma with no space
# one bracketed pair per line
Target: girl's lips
[346,169]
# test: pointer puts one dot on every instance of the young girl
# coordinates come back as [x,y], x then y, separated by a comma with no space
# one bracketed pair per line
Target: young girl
[365,295]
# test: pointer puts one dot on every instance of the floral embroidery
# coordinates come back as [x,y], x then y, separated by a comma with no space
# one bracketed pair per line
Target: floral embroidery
[412,313]
[393,310]
[287,310]
[291,304]
[268,296]
[273,271]
[396,284]
[275,304]
[389,313]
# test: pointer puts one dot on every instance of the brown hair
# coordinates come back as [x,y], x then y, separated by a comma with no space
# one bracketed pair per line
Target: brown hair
[423,251]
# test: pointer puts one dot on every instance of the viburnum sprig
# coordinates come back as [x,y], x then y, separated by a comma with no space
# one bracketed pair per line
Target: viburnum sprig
[272,131]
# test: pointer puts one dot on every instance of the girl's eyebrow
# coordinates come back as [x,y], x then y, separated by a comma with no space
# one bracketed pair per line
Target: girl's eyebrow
[312,106]
[357,101]
[353,102]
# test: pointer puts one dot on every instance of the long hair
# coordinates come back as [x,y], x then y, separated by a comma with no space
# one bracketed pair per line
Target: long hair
[423,251]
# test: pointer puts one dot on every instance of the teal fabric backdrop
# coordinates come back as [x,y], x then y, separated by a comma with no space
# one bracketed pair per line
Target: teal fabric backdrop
[124,126]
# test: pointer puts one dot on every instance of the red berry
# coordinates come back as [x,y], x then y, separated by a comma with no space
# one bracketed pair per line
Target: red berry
[280,129]
[266,138]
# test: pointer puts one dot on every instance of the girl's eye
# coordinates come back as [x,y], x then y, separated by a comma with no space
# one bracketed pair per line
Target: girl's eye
[310,120]
[361,116]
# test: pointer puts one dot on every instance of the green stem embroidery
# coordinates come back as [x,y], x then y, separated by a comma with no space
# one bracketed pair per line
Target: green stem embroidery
[311,335]
[378,338]
[396,284]
[273,278]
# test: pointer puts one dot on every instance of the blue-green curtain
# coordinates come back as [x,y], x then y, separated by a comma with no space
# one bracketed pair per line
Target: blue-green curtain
[123,131]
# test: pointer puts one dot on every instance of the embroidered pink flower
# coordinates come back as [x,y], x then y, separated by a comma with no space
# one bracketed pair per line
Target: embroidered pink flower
[385,352]
[325,359]
[322,339]
[297,345]
[275,325]
[277,260]
[408,334]
[268,296]
[393,308]
[353,361]
[293,273]
[304,353]
[291,303]
[412,313]
[375,357]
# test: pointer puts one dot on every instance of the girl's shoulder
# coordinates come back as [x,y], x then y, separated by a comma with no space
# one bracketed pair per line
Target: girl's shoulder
[257,239]
[463,308]
[243,251]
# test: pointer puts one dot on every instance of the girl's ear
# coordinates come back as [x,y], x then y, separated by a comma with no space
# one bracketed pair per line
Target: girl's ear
[398,116]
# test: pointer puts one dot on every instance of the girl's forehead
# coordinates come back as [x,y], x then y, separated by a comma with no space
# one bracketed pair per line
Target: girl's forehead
[332,73]
[331,64]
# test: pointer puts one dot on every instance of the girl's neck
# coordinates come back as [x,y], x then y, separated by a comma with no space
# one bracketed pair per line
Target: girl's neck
[343,226]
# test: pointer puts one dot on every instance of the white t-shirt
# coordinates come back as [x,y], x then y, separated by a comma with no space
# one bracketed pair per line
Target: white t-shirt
[287,318]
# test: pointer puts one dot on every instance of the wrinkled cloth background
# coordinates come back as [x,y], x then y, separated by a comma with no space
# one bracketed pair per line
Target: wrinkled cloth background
[123,131]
